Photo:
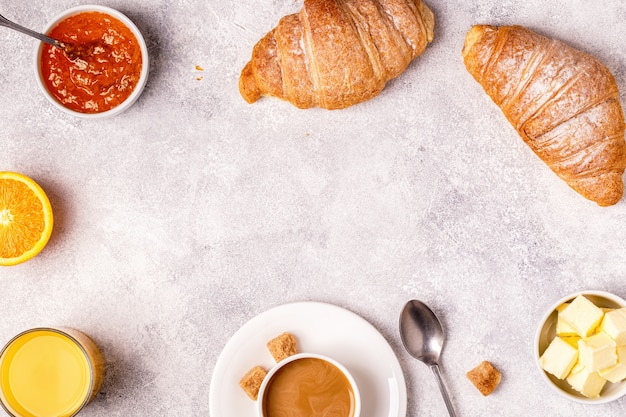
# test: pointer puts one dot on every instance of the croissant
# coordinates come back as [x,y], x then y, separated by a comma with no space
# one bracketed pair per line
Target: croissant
[336,53]
[563,103]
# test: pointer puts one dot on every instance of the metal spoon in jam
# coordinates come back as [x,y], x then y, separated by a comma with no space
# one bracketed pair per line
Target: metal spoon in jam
[73,52]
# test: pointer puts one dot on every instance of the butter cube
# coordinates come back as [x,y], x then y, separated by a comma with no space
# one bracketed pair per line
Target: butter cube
[589,384]
[562,327]
[617,372]
[572,340]
[559,358]
[582,315]
[597,352]
[614,324]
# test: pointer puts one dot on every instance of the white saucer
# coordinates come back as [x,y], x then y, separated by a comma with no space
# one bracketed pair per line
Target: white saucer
[319,328]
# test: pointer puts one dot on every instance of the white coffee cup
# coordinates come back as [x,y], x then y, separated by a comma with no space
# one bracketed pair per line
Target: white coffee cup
[293,381]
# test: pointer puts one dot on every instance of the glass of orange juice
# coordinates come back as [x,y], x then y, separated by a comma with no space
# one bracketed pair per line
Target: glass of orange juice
[49,372]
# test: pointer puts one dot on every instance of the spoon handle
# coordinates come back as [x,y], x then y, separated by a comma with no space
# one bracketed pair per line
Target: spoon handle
[442,388]
[7,23]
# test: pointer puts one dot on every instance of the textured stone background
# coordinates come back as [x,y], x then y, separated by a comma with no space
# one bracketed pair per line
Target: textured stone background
[181,219]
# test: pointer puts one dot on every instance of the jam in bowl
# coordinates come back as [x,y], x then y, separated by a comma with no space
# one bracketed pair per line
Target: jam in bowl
[103,67]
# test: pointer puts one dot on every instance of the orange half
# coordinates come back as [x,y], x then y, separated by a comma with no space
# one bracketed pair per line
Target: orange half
[25,218]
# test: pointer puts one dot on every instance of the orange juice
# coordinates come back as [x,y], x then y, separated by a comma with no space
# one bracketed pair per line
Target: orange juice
[49,373]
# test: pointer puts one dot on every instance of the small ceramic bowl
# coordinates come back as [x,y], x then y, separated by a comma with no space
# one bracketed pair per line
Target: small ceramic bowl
[143,77]
[547,331]
[272,375]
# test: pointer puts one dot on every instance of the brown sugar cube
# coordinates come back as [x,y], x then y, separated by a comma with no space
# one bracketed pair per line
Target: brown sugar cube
[251,381]
[282,346]
[485,377]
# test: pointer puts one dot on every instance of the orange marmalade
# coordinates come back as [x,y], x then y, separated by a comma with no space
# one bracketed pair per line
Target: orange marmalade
[103,67]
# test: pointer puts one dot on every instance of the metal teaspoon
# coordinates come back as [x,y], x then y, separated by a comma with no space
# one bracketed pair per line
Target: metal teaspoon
[423,337]
[7,23]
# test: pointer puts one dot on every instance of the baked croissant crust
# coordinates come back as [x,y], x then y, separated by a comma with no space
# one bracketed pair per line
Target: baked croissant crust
[563,102]
[336,53]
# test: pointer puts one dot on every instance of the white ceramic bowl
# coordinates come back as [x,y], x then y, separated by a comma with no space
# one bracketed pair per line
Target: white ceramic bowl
[286,361]
[546,332]
[144,59]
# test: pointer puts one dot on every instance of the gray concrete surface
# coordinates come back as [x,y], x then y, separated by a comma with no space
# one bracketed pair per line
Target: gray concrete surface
[193,212]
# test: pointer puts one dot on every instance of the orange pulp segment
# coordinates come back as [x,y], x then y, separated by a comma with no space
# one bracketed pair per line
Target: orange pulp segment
[25,218]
